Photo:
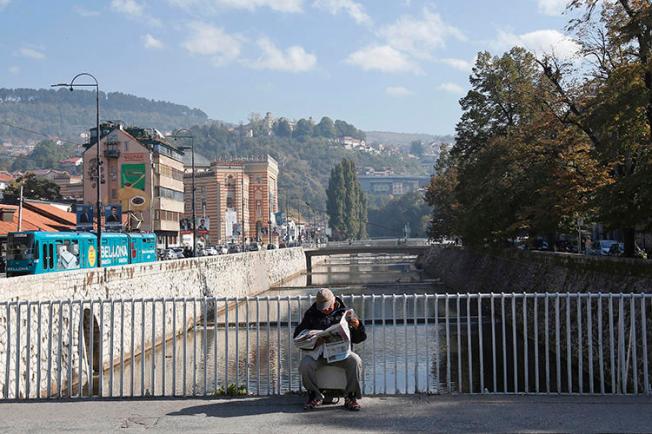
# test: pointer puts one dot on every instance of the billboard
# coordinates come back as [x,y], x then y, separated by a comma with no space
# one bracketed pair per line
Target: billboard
[203,225]
[84,217]
[185,224]
[113,217]
[230,220]
[133,178]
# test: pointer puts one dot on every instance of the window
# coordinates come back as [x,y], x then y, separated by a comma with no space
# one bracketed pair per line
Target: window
[230,192]
[67,254]
[168,193]
[169,172]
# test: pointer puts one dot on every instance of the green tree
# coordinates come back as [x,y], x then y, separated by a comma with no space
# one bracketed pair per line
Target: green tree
[612,104]
[346,203]
[303,129]
[516,168]
[282,128]
[326,128]
[33,188]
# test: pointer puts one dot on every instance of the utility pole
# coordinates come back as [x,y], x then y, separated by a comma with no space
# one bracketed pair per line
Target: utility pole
[20,209]
[242,208]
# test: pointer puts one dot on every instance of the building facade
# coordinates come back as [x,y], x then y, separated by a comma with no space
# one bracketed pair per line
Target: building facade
[141,171]
[235,199]
[394,185]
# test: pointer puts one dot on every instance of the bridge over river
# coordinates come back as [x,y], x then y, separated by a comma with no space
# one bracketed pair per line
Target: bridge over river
[421,340]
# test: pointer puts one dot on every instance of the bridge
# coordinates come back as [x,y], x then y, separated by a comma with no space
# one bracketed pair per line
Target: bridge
[411,246]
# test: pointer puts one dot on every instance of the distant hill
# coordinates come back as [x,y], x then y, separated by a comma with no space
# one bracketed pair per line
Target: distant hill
[61,114]
[404,139]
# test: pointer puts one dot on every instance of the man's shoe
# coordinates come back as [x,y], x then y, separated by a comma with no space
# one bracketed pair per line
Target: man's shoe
[312,403]
[351,404]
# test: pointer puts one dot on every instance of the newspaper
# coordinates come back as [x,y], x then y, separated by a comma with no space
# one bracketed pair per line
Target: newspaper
[335,341]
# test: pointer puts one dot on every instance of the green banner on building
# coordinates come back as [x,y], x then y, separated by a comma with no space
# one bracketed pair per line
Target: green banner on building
[133,175]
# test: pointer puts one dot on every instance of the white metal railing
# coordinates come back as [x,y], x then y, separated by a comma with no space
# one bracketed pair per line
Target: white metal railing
[420,343]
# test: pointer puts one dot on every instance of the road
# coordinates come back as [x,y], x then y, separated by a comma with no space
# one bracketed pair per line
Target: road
[379,414]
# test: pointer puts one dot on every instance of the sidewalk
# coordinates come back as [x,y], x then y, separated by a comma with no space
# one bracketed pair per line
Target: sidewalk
[382,414]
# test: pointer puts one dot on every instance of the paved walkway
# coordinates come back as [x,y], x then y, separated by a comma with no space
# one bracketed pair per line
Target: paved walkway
[386,414]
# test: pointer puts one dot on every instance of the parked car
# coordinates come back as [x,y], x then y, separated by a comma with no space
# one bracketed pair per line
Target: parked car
[170,254]
[222,250]
[272,246]
[211,251]
[233,248]
[602,247]
[253,247]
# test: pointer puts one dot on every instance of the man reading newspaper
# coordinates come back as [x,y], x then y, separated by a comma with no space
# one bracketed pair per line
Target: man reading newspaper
[325,335]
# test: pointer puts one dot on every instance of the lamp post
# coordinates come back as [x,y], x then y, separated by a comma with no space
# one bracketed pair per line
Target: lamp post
[98,163]
[189,135]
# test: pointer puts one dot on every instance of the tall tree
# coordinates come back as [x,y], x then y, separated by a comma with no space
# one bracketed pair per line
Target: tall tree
[346,203]
[612,103]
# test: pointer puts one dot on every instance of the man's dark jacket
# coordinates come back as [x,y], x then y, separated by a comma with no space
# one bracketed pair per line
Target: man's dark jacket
[314,319]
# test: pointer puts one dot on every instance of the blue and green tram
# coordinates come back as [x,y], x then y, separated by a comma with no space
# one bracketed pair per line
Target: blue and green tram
[35,252]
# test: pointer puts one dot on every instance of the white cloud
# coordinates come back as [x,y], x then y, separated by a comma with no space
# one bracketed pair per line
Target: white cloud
[276,5]
[82,11]
[4,3]
[128,7]
[207,40]
[459,64]
[32,53]
[418,36]
[398,91]
[293,59]
[382,58]
[540,42]
[151,42]
[14,69]
[355,10]
[451,88]
[552,7]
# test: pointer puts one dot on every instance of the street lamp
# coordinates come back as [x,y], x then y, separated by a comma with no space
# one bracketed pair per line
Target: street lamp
[98,163]
[189,135]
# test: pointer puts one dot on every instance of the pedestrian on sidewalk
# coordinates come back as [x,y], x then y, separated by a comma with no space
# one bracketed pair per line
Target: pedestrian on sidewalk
[326,311]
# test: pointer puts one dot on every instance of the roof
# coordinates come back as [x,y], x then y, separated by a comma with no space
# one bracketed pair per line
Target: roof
[52,212]
[32,221]
[6,176]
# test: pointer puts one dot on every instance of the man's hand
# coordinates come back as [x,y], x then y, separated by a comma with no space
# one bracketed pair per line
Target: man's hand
[352,319]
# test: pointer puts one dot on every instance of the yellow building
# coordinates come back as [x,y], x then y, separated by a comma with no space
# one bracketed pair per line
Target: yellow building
[236,199]
[141,171]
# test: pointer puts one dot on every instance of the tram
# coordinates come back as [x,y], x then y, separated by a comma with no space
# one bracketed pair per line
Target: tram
[38,252]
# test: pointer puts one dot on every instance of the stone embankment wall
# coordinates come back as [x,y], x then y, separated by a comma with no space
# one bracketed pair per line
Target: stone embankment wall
[521,271]
[46,321]
[514,271]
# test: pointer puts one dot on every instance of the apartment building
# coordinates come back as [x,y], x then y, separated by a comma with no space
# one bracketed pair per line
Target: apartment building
[141,171]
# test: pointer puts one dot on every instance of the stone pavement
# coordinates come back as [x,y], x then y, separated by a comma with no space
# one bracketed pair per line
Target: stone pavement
[379,414]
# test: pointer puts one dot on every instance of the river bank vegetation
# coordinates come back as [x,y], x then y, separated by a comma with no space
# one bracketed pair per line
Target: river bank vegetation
[545,142]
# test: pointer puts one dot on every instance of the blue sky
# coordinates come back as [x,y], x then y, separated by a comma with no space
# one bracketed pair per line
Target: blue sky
[393,65]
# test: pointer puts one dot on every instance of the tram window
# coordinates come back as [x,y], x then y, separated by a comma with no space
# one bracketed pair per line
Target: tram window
[51,258]
[45,256]
[67,254]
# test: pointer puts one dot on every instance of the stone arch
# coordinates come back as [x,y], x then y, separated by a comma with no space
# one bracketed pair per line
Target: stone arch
[91,328]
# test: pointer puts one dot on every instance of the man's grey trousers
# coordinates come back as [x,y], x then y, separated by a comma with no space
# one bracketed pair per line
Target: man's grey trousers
[352,365]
